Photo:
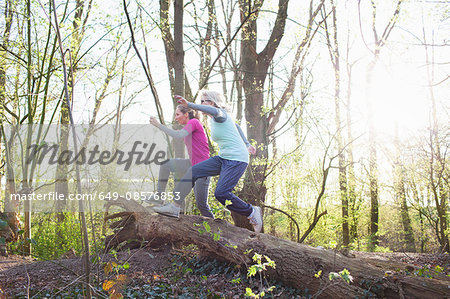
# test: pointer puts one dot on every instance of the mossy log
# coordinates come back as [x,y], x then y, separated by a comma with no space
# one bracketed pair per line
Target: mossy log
[296,264]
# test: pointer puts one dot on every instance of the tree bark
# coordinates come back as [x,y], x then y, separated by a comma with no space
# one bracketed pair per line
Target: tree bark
[437,162]
[61,181]
[333,48]
[12,216]
[373,167]
[400,194]
[174,50]
[254,67]
[351,179]
[296,264]
[178,47]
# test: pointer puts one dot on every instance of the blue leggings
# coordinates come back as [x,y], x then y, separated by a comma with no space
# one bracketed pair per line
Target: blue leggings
[229,171]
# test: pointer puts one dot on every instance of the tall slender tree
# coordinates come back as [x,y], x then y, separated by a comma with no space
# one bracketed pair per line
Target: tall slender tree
[438,168]
[80,19]
[379,42]
[353,203]
[10,207]
[400,195]
[333,48]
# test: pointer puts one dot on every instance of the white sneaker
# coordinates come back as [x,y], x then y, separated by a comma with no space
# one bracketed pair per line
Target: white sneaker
[170,210]
[154,198]
[255,219]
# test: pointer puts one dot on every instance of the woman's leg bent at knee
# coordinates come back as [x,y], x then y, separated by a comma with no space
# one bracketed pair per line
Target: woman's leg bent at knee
[176,166]
[206,168]
[230,174]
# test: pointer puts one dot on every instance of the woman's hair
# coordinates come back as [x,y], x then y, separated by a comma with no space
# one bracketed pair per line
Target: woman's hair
[184,110]
[216,97]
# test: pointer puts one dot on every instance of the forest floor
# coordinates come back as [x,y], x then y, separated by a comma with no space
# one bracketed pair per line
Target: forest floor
[165,272]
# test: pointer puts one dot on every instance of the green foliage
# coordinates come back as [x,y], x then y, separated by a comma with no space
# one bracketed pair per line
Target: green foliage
[54,239]
[231,246]
[429,271]
[207,229]
[51,240]
[344,274]
[249,293]
[258,268]
[382,249]
[248,251]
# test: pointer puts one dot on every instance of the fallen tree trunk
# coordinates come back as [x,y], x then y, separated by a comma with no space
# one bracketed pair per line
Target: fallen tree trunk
[296,264]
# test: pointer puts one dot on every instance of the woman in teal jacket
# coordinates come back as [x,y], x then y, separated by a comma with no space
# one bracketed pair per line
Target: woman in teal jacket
[229,165]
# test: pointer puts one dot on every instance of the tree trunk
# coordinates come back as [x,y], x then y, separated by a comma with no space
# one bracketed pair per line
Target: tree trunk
[61,180]
[3,67]
[205,46]
[254,190]
[333,48]
[61,176]
[373,169]
[174,50]
[296,264]
[351,179]
[254,67]
[30,86]
[178,48]
[379,42]
[437,162]
[400,194]
[11,208]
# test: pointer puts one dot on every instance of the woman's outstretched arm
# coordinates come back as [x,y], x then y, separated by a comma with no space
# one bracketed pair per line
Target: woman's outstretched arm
[178,134]
[218,114]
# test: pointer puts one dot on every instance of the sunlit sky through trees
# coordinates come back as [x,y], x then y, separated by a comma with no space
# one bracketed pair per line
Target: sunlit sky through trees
[400,78]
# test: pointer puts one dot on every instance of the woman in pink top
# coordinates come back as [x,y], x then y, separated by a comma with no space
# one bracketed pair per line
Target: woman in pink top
[197,145]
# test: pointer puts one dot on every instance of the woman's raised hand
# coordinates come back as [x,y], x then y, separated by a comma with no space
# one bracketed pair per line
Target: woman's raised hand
[154,121]
[182,101]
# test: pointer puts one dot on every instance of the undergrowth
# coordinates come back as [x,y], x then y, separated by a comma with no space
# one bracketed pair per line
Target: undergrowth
[188,276]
